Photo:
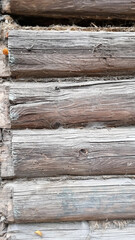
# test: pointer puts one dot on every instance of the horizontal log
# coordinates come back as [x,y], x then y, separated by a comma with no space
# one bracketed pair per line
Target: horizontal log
[70,53]
[59,231]
[74,231]
[50,105]
[41,153]
[4,105]
[105,9]
[69,200]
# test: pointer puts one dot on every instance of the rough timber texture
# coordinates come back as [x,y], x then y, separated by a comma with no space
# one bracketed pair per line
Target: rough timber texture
[105,9]
[122,230]
[70,53]
[4,104]
[4,69]
[3,229]
[49,105]
[69,200]
[40,153]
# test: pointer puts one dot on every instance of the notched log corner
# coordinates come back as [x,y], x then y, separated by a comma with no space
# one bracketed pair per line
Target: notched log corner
[3,228]
[4,66]
[7,169]
[6,203]
[6,6]
[4,106]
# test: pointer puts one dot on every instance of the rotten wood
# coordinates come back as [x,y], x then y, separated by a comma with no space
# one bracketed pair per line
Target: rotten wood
[70,53]
[122,230]
[105,9]
[70,200]
[40,153]
[50,105]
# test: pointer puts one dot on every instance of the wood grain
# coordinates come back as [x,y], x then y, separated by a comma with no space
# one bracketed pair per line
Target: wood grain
[122,230]
[70,53]
[59,231]
[105,9]
[40,153]
[70,200]
[50,105]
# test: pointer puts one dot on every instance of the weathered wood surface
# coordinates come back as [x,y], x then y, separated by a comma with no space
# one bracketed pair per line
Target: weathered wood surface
[4,107]
[69,200]
[4,68]
[122,230]
[40,153]
[50,105]
[105,9]
[58,231]
[3,229]
[70,53]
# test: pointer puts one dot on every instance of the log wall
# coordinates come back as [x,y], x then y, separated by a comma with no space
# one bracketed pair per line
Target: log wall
[47,174]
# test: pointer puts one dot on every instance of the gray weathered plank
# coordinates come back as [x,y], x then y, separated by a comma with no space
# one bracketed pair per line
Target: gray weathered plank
[49,105]
[70,53]
[105,9]
[69,200]
[40,153]
[122,230]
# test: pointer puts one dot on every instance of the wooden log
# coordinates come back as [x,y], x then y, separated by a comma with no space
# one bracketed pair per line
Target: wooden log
[4,105]
[59,231]
[41,153]
[105,9]
[50,105]
[69,200]
[70,53]
[122,230]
